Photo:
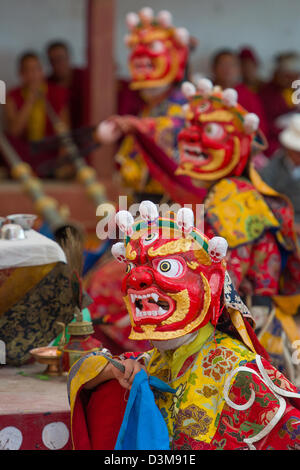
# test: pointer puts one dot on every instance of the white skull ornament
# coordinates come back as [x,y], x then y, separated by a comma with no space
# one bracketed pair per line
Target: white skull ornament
[118,252]
[148,211]
[185,219]
[125,222]
[217,248]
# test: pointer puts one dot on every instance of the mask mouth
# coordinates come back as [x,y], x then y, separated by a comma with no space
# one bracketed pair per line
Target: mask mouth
[150,304]
[194,153]
[142,65]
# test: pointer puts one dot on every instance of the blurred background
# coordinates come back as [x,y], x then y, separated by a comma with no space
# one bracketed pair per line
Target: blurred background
[91,32]
[269,26]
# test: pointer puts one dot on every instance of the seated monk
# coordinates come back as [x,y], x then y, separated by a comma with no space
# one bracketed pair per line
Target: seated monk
[250,63]
[226,395]
[26,117]
[73,79]
[277,97]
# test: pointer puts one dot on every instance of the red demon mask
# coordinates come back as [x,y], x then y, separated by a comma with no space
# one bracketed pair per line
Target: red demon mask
[159,52]
[219,133]
[174,277]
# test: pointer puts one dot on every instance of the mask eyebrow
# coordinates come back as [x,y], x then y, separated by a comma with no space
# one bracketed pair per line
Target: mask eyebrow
[217,116]
[181,245]
[130,253]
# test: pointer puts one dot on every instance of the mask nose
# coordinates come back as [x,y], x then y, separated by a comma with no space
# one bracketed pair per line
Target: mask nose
[190,134]
[140,278]
[139,51]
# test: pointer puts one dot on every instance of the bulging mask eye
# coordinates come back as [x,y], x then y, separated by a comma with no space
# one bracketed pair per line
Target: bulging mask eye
[170,267]
[150,238]
[214,131]
[129,267]
[157,47]
[203,107]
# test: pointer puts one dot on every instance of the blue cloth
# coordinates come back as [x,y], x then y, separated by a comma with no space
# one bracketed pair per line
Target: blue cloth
[90,258]
[46,231]
[143,427]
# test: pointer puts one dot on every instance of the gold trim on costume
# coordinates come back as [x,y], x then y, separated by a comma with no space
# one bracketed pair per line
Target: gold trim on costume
[238,322]
[288,324]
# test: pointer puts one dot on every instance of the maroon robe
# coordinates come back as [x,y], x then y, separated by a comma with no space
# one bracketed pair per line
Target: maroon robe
[58,98]
[274,105]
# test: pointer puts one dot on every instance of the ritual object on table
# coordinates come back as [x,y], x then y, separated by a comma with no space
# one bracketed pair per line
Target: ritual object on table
[25,220]
[16,226]
[12,232]
[81,341]
[49,355]
[35,293]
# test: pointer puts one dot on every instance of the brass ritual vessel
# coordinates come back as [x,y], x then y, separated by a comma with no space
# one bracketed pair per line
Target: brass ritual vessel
[49,355]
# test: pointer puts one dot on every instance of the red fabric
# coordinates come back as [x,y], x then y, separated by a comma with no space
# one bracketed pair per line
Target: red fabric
[129,101]
[77,97]
[247,53]
[163,168]
[97,421]
[274,106]
[80,435]
[104,415]
[236,425]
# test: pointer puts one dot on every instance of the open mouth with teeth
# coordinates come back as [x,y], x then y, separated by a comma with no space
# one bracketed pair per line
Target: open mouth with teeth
[142,65]
[193,152]
[150,304]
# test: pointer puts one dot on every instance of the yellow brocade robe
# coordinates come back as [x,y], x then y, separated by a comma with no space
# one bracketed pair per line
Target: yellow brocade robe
[197,371]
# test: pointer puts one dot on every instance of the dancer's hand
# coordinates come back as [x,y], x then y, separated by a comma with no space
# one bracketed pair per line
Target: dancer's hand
[126,378]
[110,130]
[110,372]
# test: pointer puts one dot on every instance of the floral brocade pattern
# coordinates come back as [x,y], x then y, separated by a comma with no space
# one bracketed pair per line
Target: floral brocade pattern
[193,412]
[32,322]
[193,421]
[237,425]
[238,212]
[197,415]
[218,362]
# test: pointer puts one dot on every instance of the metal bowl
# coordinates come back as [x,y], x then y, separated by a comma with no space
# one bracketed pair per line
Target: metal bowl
[49,355]
[25,220]
[12,232]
